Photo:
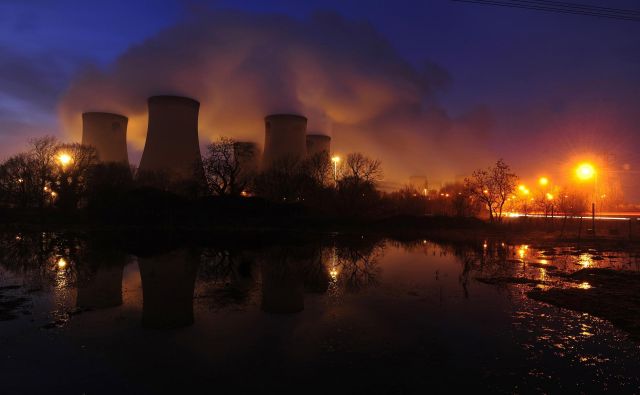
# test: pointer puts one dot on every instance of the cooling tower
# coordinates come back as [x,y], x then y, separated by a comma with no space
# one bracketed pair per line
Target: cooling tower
[317,143]
[285,137]
[107,133]
[172,145]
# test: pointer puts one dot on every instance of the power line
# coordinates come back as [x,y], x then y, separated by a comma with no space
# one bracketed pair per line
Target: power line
[580,6]
[563,8]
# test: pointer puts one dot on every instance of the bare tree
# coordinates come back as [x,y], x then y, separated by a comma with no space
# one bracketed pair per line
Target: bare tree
[493,187]
[318,169]
[72,167]
[227,166]
[43,151]
[361,169]
[18,186]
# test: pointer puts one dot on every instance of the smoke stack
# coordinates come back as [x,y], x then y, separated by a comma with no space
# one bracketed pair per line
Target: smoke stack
[317,143]
[107,133]
[172,145]
[285,137]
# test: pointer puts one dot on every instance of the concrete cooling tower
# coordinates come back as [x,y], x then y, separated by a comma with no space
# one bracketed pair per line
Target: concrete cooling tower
[107,133]
[317,143]
[172,145]
[285,137]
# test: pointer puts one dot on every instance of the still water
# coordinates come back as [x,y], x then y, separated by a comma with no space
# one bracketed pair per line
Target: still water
[132,314]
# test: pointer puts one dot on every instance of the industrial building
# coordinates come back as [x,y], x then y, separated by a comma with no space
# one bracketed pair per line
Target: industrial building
[172,145]
[107,133]
[285,137]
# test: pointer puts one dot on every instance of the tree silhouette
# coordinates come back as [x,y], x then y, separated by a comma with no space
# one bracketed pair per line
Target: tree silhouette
[493,187]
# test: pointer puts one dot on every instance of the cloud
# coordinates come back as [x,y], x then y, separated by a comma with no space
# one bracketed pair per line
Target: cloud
[342,74]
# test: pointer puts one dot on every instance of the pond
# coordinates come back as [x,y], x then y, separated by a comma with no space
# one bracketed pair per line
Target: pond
[149,313]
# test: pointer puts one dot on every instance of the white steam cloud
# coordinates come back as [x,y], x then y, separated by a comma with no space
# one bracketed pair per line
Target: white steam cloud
[341,74]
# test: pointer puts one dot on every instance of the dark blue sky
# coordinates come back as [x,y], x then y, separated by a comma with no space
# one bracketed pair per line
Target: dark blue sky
[551,82]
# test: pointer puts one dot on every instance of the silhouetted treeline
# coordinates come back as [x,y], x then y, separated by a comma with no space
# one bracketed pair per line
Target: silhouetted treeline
[54,181]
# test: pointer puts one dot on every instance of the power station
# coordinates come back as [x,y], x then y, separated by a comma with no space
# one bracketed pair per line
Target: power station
[107,133]
[172,145]
[317,143]
[172,148]
[285,137]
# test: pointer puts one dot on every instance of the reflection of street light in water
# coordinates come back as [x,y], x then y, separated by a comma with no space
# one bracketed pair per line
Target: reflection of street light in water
[585,260]
[522,251]
[333,271]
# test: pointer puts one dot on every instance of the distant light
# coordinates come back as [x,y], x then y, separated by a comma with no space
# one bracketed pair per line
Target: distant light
[62,263]
[544,181]
[64,159]
[549,196]
[335,159]
[20,180]
[584,285]
[585,171]
[523,189]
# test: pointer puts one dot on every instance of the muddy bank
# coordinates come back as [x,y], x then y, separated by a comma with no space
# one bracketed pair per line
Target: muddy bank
[609,294]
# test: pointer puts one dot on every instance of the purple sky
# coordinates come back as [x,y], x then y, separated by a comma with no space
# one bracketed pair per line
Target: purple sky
[555,85]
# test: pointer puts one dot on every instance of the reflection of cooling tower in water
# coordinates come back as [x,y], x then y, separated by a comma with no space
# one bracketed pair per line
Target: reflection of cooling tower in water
[282,284]
[285,137]
[100,285]
[317,143]
[168,282]
[172,146]
[107,133]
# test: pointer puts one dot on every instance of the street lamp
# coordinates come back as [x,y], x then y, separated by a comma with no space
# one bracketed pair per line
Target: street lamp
[543,181]
[335,160]
[64,159]
[586,171]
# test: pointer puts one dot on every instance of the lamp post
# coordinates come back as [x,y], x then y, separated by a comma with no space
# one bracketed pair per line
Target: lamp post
[335,160]
[587,171]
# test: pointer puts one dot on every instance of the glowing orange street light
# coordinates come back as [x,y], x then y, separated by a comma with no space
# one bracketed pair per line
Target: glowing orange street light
[549,196]
[543,181]
[523,189]
[585,171]
[64,159]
